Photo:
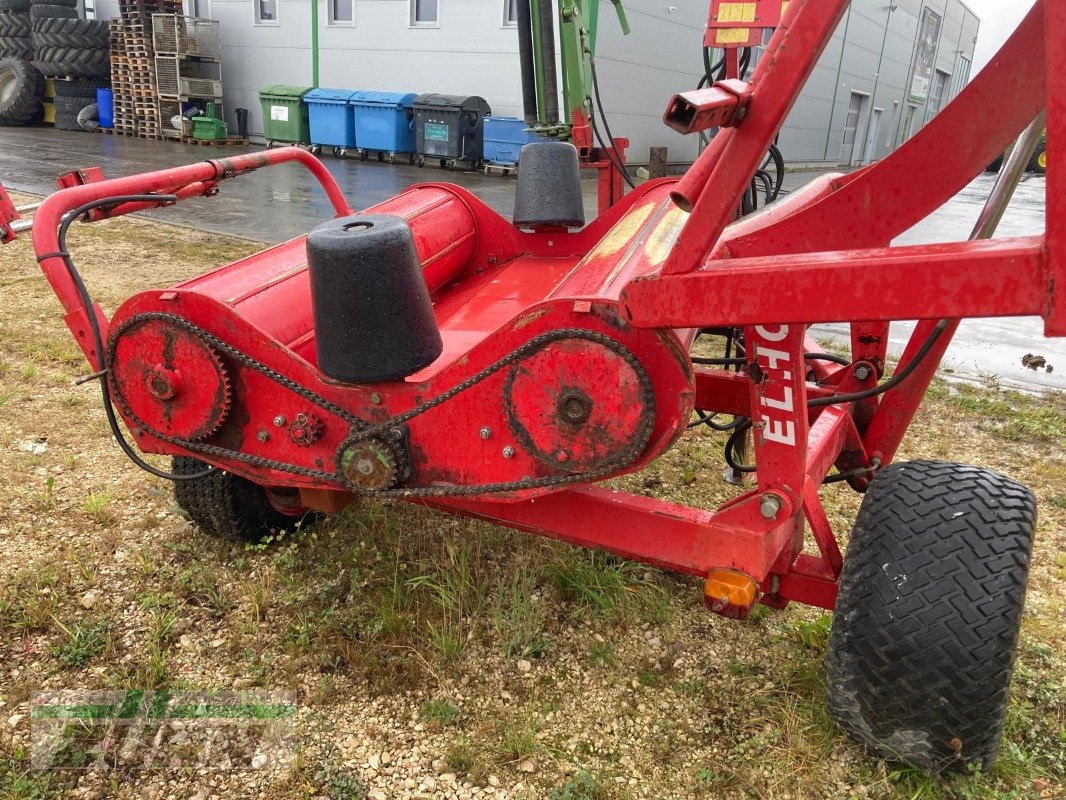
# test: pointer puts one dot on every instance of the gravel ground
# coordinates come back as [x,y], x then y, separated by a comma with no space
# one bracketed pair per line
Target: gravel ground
[432,657]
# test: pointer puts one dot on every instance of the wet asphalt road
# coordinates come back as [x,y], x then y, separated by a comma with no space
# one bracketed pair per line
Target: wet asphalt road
[281,202]
[986,350]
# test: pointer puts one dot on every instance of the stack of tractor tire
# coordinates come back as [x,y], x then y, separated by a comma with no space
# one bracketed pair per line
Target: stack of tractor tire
[74,51]
[21,86]
[66,46]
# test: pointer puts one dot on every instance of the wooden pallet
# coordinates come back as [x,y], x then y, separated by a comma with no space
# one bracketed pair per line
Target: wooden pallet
[232,141]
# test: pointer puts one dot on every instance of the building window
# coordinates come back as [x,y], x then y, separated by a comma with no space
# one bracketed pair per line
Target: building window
[90,9]
[936,93]
[266,12]
[341,12]
[510,13]
[425,13]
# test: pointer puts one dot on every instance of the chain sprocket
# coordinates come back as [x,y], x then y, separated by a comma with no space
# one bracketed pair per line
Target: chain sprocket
[363,431]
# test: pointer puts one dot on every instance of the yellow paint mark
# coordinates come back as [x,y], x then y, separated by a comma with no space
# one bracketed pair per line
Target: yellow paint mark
[736,12]
[732,35]
[624,230]
[784,8]
[664,236]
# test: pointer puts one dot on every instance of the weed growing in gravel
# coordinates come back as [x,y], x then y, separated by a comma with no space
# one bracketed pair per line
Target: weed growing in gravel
[84,641]
[581,787]
[519,619]
[19,782]
[439,712]
[96,506]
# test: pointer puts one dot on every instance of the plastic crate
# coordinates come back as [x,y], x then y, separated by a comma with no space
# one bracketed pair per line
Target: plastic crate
[504,139]
[209,129]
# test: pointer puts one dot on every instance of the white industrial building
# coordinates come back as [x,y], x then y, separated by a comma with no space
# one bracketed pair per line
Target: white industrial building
[888,69]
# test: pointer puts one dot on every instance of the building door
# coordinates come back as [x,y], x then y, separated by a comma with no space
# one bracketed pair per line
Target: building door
[906,122]
[851,128]
[871,137]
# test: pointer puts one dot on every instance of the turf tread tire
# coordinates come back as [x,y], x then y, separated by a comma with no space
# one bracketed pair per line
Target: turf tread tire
[14,24]
[56,32]
[928,612]
[16,47]
[85,88]
[25,102]
[52,11]
[227,506]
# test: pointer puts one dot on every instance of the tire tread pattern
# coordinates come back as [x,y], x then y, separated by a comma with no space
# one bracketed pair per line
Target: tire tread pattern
[227,506]
[928,613]
[25,102]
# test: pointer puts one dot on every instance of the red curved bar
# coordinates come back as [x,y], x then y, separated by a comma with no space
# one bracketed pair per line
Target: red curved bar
[203,175]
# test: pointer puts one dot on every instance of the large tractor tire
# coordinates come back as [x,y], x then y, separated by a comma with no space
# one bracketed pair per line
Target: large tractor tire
[15,24]
[52,11]
[229,507]
[80,62]
[16,47]
[14,5]
[928,612]
[1038,163]
[21,91]
[84,33]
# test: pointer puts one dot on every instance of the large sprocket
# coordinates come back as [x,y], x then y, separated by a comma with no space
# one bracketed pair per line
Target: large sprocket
[168,378]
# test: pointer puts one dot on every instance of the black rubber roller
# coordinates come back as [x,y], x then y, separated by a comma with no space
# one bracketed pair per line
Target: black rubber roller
[373,316]
[549,186]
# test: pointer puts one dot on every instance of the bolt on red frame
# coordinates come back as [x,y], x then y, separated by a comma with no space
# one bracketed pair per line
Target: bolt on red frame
[650,275]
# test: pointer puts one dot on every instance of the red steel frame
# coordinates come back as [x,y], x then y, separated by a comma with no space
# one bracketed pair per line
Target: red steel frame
[820,255]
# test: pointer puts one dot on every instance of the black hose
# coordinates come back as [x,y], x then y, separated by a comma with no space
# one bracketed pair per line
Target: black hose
[827,357]
[895,380]
[731,445]
[620,162]
[94,325]
[525,60]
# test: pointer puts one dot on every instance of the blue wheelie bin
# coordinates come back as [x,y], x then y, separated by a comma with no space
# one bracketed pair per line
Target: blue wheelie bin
[504,139]
[385,125]
[330,119]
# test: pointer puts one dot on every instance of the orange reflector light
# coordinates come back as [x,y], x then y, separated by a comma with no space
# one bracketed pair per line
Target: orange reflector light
[729,593]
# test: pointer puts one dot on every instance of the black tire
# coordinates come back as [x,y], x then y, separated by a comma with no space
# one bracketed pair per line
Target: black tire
[1038,163]
[52,11]
[21,91]
[72,105]
[14,5]
[14,24]
[996,165]
[55,32]
[66,121]
[80,62]
[16,47]
[928,612]
[230,507]
[84,88]
[65,3]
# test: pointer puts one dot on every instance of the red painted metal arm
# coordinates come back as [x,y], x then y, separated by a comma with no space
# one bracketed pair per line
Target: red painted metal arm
[203,176]
[777,81]
[994,278]
[870,207]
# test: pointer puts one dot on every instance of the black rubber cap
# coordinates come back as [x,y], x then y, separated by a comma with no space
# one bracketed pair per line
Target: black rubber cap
[373,316]
[549,186]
